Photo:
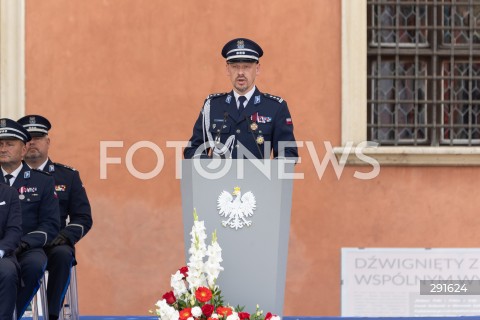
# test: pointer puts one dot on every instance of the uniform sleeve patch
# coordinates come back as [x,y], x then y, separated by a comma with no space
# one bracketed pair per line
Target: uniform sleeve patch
[289,121]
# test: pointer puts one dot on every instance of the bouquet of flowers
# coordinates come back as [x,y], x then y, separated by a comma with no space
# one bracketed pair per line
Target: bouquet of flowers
[194,294]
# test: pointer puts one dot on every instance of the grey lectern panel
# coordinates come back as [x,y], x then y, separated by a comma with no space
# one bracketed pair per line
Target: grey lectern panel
[255,256]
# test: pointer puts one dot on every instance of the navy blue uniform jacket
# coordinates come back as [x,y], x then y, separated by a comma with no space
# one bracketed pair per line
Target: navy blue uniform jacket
[73,199]
[39,203]
[10,219]
[263,124]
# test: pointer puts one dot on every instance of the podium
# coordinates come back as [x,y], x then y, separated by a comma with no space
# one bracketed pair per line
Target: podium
[254,256]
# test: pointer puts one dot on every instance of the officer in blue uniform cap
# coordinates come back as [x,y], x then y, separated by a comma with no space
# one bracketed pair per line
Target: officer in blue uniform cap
[245,122]
[39,205]
[74,207]
[10,234]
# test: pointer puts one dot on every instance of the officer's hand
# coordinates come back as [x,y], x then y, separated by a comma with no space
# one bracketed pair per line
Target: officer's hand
[60,240]
[23,246]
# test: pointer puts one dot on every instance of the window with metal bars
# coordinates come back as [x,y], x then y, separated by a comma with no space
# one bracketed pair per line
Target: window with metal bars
[424,72]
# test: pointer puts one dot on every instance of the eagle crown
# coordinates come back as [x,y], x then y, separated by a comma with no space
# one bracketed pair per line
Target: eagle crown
[236,191]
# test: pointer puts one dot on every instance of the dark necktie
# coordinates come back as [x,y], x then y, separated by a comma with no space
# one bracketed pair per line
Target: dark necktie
[241,103]
[7,178]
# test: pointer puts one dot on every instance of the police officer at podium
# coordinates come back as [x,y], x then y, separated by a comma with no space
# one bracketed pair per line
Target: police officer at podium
[10,234]
[245,122]
[39,205]
[74,209]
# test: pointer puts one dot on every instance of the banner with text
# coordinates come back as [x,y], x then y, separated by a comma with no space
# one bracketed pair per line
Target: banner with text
[386,282]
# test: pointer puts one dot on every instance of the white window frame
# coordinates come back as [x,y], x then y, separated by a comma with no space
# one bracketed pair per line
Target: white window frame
[354,105]
[12,58]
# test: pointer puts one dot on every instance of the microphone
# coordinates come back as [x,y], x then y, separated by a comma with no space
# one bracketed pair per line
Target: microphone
[219,131]
[253,136]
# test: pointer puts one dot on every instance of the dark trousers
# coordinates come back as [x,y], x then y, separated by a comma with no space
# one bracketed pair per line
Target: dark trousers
[60,261]
[9,282]
[32,265]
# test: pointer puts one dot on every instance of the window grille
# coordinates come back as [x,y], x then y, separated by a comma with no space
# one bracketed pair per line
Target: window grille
[424,72]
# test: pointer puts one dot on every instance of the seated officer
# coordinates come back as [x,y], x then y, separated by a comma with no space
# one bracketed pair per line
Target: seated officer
[39,204]
[74,206]
[245,122]
[10,233]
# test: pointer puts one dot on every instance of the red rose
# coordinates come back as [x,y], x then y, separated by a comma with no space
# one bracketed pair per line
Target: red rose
[203,294]
[207,309]
[169,297]
[185,313]
[224,311]
[184,271]
[244,315]
[268,316]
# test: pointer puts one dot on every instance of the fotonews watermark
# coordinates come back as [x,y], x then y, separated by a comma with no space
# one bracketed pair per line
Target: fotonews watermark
[217,168]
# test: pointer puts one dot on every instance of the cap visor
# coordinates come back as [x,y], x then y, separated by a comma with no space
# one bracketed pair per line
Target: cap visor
[241,60]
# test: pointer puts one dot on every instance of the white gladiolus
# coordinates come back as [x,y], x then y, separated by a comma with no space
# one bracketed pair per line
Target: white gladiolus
[212,267]
[197,251]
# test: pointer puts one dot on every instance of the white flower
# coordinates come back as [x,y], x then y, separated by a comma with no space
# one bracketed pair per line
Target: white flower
[200,274]
[159,303]
[212,267]
[197,251]
[177,284]
[275,317]
[166,312]
[198,234]
[233,316]
[196,311]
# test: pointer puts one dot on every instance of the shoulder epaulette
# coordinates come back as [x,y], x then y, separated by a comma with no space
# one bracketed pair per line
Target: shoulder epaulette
[278,99]
[215,95]
[41,171]
[64,166]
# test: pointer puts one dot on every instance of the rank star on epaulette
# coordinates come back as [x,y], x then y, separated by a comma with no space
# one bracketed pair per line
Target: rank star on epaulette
[64,166]
[213,95]
[274,97]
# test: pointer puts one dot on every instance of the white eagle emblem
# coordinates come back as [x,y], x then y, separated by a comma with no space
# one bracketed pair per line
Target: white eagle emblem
[236,210]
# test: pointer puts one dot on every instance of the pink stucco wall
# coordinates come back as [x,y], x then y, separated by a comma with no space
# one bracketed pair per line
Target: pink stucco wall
[138,70]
